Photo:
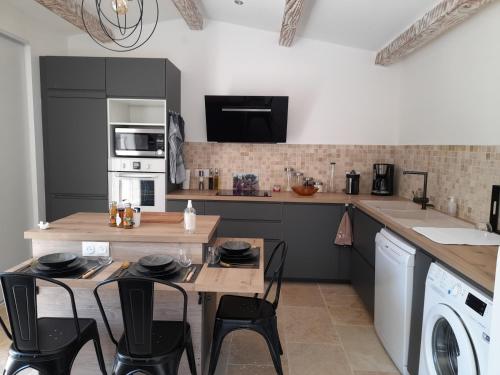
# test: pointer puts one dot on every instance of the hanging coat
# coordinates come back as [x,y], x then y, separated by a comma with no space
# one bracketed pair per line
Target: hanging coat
[176,142]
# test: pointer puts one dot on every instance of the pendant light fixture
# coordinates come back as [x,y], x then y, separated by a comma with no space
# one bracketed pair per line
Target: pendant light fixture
[122,22]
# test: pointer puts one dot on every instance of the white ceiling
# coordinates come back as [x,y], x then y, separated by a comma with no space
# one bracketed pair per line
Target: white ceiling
[366,24]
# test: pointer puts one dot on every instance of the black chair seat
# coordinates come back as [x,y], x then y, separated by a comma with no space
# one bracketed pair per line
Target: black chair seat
[166,337]
[244,308]
[56,333]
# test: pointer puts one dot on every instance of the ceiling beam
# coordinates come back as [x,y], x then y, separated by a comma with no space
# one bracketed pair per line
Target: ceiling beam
[71,11]
[291,19]
[190,12]
[437,21]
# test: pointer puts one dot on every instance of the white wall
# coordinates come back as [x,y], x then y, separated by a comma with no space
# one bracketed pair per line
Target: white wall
[36,41]
[337,94]
[450,89]
[15,171]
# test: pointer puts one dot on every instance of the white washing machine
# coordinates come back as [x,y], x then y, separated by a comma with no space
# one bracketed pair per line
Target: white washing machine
[456,326]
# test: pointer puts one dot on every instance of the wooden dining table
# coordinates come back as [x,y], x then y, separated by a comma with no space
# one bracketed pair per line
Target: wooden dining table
[67,235]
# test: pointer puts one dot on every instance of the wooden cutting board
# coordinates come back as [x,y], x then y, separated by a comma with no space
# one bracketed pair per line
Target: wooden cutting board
[162,217]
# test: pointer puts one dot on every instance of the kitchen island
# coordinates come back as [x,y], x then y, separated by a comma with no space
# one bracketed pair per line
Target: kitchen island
[67,235]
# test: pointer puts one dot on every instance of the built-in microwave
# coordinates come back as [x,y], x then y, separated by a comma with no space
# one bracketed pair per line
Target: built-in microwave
[147,142]
[146,190]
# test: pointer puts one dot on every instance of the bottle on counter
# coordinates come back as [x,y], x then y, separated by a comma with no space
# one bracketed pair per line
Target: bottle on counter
[201,181]
[216,179]
[120,214]
[113,211]
[452,206]
[331,181]
[128,217]
[211,179]
[190,218]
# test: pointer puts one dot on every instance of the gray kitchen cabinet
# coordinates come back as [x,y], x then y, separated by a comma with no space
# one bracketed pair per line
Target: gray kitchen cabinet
[60,205]
[363,280]
[179,206]
[310,231]
[422,264]
[245,210]
[136,78]
[73,73]
[365,229]
[75,152]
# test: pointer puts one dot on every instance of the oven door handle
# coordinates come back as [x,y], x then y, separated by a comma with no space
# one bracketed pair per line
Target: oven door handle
[139,176]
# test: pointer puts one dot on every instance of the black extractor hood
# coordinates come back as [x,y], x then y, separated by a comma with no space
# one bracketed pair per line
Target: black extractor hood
[246,119]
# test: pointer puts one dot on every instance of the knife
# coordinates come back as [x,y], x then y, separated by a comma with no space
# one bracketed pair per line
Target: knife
[236,265]
[187,274]
[191,274]
[91,271]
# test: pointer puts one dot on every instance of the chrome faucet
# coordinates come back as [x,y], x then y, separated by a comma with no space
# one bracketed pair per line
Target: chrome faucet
[424,200]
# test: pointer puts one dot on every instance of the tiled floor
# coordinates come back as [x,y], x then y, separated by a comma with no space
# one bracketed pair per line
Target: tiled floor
[324,329]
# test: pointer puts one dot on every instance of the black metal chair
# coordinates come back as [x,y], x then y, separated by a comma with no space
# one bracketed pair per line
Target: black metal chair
[49,345]
[147,346]
[252,313]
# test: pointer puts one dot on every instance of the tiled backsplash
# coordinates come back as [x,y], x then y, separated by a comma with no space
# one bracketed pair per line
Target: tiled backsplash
[466,172]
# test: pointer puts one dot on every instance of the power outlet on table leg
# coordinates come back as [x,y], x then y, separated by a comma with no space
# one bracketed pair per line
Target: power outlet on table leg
[100,249]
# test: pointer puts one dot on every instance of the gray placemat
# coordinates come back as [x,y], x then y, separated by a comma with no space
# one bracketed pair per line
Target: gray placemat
[177,278]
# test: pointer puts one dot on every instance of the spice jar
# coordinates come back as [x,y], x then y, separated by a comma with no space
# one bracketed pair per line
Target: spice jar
[299,178]
[113,210]
[128,217]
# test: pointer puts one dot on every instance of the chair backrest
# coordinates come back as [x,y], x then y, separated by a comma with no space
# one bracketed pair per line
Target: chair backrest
[277,273]
[20,290]
[137,305]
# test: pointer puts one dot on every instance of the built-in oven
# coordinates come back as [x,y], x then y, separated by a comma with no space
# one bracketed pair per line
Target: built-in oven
[146,190]
[147,142]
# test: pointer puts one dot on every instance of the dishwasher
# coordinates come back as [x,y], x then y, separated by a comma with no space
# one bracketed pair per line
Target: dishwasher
[394,264]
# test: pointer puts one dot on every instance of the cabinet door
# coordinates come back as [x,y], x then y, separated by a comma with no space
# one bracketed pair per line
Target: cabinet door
[59,206]
[310,230]
[73,73]
[135,78]
[422,264]
[364,231]
[363,280]
[75,146]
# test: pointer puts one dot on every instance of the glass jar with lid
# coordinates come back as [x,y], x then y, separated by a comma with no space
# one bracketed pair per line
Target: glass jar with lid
[299,178]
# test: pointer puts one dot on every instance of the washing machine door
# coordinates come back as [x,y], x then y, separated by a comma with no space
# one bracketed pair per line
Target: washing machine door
[448,348]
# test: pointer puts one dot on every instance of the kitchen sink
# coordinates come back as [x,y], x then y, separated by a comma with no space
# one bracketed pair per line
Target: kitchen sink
[410,215]
[392,205]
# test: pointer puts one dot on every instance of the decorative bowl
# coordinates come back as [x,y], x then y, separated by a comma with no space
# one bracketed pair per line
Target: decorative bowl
[304,190]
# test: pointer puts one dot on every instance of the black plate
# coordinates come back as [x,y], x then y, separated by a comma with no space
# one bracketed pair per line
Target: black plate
[253,254]
[156,262]
[236,246]
[228,254]
[57,260]
[135,270]
[172,266]
[59,272]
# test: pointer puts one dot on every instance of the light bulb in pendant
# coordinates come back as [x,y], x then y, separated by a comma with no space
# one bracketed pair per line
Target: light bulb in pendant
[120,6]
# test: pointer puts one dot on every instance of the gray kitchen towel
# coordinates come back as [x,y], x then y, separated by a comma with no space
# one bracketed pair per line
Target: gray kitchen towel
[176,142]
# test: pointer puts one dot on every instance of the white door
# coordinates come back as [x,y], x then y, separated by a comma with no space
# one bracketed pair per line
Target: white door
[447,347]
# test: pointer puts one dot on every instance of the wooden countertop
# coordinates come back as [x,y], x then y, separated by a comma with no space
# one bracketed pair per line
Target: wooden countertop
[281,197]
[85,226]
[218,280]
[478,263]
[475,262]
